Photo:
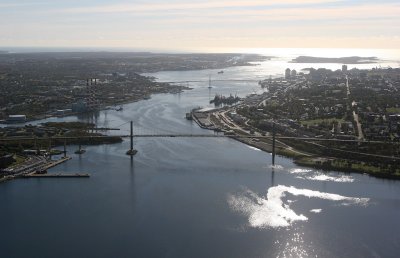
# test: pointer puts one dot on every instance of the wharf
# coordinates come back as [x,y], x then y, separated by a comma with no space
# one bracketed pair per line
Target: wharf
[55,175]
[202,119]
[55,163]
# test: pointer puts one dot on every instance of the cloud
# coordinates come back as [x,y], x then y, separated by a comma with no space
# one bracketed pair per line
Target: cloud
[153,7]
[198,24]
[14,5]
[188,13]
[316,13]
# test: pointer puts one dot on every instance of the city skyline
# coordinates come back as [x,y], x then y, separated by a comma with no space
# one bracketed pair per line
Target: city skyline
[201,25]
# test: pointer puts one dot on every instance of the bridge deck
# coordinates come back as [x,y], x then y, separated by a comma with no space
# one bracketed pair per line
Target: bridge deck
[186,136]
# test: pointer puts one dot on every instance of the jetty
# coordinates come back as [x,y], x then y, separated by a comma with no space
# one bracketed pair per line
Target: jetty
[55,163]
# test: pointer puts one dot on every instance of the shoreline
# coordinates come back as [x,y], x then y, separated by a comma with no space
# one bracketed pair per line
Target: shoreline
[100,109]
[35,169]
[311,161]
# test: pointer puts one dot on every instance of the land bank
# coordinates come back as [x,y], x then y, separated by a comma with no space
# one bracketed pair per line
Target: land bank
[39,85]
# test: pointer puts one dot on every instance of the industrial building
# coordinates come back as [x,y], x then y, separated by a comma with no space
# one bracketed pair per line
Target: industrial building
[16,119]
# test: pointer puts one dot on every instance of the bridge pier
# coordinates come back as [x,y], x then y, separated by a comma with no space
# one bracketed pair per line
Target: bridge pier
[36,147]
[49,148]
[273,144]
[80,150]
[65,147]
[132,151]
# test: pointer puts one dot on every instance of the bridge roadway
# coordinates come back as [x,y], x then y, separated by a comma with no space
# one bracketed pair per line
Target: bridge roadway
[212,136]
[170,135]
[222,80]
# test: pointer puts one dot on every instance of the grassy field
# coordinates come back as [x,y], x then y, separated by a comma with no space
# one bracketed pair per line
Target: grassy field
[18,161]
[393,110]
[321,121]
[289,153]
[351,166]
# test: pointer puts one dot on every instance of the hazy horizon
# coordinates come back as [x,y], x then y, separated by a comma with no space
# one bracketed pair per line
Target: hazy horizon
[200,26]
[389,57]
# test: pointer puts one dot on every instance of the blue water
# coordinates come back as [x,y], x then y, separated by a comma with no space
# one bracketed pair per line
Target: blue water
[194,197]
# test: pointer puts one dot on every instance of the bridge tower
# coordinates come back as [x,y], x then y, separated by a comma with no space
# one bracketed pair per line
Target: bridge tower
[132,151]
[65,147]
[273,144]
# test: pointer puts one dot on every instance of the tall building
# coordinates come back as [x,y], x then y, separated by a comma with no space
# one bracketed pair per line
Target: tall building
[287,73]
[344,68]
[293,73]
[16,119]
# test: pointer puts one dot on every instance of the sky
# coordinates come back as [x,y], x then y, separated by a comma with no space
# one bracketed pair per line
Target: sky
[200,25]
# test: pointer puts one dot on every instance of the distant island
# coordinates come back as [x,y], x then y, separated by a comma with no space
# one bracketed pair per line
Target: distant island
[340,60]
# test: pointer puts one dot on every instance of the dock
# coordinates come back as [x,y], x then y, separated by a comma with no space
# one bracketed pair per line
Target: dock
[56,175]
[55,163]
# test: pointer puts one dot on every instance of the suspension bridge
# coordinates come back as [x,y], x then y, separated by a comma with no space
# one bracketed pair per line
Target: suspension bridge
[273,137]
[220,80]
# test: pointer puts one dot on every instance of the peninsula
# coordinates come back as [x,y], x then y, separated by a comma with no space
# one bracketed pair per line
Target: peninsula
[339,60]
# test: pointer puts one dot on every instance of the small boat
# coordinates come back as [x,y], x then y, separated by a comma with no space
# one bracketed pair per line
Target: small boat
[221,72]
[81,151]
[120,108]
[131,152]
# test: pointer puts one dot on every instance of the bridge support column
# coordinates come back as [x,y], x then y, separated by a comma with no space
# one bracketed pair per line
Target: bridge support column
[65,147]
[35,143]
[49,148]
[273,144]
[132,151]
[80,150]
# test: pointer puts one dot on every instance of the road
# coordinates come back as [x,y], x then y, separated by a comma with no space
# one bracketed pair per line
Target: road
[355,115]
[257,143]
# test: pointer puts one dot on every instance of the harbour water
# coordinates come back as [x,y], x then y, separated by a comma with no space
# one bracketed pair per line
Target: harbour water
[195,197]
